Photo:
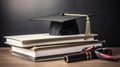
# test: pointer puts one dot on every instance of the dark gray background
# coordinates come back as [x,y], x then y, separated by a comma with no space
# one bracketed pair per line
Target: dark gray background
[15,15]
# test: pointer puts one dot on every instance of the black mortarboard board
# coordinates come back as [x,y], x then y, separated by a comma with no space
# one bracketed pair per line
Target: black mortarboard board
[57,18]
[61,25]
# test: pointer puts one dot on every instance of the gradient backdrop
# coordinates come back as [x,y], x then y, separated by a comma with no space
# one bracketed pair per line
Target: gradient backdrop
[15,15]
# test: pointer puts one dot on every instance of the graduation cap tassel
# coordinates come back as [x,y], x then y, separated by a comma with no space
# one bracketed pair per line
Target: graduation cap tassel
[88,29]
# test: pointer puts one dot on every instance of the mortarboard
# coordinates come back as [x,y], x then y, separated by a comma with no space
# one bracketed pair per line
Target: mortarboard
[61,24]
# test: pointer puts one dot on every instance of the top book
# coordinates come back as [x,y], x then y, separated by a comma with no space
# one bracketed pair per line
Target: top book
[45,39]
[44,36]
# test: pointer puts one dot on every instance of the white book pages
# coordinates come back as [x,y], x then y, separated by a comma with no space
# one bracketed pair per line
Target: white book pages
[55,51]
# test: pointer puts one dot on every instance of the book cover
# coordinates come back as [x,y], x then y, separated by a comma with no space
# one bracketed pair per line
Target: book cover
[37,59]
[45,39]
[54,50]
[49,53]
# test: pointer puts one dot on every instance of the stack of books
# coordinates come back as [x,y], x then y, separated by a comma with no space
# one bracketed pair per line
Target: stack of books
[42,47]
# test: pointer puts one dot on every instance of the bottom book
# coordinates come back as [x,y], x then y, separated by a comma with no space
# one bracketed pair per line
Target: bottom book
[37,59]
[48,54]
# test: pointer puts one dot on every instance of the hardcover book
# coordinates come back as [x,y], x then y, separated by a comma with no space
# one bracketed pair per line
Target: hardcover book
[49,52]
[45,39]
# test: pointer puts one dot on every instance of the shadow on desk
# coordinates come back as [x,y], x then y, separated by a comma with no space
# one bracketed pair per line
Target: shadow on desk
[7,60]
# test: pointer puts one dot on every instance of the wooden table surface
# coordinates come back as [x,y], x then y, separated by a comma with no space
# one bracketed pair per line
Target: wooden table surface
[7,60]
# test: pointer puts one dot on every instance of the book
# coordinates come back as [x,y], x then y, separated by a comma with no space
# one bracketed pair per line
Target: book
[49,52]
[37,59]
[30,40]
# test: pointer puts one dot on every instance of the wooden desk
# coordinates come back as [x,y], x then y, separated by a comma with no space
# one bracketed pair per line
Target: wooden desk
[7,60]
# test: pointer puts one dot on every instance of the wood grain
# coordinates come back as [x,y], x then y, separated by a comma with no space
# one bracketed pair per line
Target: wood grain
[7,60]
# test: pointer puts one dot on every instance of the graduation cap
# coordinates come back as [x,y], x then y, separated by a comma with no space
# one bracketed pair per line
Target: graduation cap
[63,23]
